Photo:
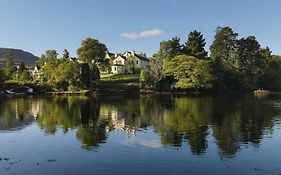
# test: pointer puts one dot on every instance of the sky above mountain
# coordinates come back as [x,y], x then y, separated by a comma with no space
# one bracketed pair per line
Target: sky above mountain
[36,26]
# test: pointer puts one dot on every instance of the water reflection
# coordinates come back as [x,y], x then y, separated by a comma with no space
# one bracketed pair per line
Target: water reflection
[231,121]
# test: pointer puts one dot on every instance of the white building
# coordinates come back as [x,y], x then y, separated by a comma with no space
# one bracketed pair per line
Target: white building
[123,63]
[35,72]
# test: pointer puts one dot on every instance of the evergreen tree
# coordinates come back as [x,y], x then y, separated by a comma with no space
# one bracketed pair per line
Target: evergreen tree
[21,68]
[51,54]
[195,44]
[65,54]
[169,49]
[224,44]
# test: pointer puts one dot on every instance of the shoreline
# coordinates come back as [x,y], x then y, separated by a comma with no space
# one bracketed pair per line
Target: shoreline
[20,91]
[88,93]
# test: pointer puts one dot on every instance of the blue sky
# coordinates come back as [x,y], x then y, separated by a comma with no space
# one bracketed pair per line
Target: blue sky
[38,25]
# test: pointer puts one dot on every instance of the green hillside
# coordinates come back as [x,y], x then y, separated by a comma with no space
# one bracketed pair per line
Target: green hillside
[18,55]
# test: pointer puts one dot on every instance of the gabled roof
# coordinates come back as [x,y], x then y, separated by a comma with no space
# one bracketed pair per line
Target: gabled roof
[141,57]
[121,56]
[110,54]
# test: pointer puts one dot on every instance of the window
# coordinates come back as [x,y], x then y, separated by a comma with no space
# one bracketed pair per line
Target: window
[137,61]
[115,68]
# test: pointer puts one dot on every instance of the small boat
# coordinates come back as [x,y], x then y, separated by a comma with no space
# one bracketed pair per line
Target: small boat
[9,91]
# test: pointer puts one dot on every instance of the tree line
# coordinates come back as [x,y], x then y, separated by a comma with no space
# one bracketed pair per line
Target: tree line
[233,64]
[63,73]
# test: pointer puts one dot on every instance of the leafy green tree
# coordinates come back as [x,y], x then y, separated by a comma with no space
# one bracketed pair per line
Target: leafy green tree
[226,77]
[21,68]
[190,72]
[2,76]
[271,79]
[85,75]
[10,69]
[95,73]
[251,61]
[48,71]
[51,54]
[65,54]
[224,44]
[41,61]
[67,75]
[195,44]
[152,75]
[92,51]
[24,76]
[169,49]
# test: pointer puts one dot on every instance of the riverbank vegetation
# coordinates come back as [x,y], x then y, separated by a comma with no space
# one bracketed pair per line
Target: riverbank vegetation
[233,63]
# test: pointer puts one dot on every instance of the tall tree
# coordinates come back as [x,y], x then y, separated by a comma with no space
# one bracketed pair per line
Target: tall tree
[85,75]
[51,54]
[169,49]
[65,54]
[224,44]
[251,60]
[271,79]
[152,74]
[21,68]
[92,51]
[194,46]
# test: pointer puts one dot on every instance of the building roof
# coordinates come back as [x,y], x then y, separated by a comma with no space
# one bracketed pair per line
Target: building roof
[141,57]
[110,54]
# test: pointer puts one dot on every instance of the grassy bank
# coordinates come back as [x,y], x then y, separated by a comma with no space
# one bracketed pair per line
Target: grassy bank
[120,82]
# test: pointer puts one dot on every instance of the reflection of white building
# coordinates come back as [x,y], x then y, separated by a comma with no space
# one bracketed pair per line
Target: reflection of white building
[35,109]
[117,120]
[123,63]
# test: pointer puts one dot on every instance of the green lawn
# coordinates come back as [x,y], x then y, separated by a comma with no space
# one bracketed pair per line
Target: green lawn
[119,81]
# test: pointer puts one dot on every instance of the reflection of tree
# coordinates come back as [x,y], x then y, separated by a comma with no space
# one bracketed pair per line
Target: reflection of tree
[92,128]
[197,140]
[59,112]
[232,120]
[186,120]
[238,120]
[15,113]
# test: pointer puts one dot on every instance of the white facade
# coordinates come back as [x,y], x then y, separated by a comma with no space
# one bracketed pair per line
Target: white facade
[36,72]
[117,69]
[122,63]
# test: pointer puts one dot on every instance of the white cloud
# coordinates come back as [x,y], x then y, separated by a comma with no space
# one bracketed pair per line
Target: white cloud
[143,34]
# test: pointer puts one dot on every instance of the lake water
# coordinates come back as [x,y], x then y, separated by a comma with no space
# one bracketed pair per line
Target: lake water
[223,134]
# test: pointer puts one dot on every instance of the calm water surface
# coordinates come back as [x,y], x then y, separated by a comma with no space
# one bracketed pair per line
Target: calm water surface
[141,135]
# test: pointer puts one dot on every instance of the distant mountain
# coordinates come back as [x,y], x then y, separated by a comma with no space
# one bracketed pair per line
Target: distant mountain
[19,56]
